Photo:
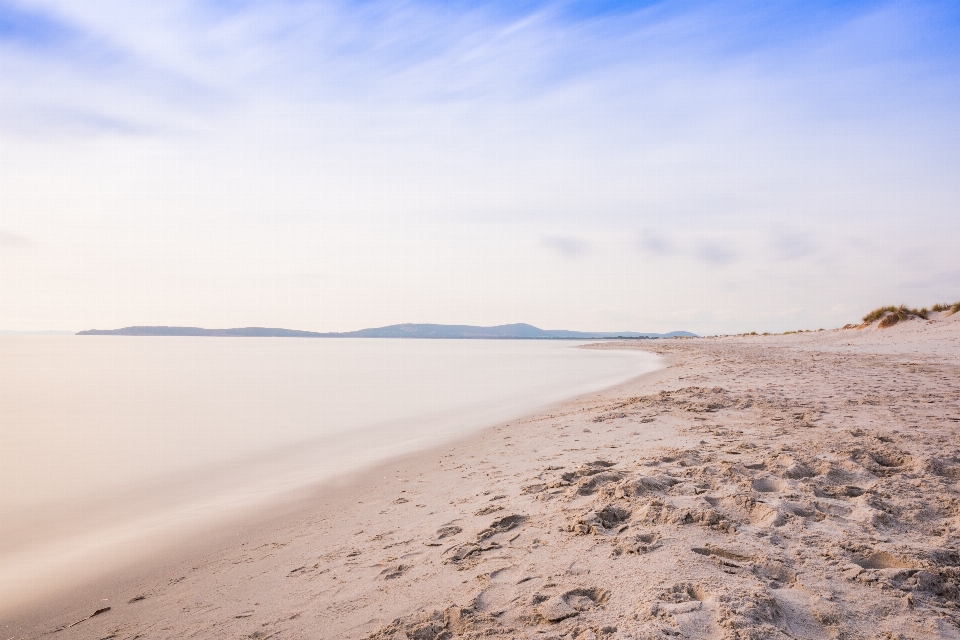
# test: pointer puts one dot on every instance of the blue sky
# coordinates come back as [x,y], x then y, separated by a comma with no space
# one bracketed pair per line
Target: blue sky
[586,165]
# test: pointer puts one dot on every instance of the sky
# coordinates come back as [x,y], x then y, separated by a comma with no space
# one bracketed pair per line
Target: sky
[714,167]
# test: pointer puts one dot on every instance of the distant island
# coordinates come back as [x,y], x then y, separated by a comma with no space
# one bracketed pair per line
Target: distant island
[439,331]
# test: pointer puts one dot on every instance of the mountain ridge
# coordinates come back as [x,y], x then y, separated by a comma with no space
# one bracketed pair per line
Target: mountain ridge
[406,330]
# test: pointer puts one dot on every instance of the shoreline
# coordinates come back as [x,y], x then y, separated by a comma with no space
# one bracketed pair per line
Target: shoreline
[104,526]
[754,487]
[203,538]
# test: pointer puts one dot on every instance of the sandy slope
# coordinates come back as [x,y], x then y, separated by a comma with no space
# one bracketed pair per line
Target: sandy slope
[800,486]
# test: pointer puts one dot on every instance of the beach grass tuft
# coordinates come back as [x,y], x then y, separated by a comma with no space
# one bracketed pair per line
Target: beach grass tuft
[878,313]
[889,316]
[949,308]
[899,314]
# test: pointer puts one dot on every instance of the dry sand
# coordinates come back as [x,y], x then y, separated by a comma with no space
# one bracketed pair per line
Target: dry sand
[799,486]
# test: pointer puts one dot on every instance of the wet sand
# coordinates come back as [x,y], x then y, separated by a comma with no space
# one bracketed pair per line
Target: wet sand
[798,486]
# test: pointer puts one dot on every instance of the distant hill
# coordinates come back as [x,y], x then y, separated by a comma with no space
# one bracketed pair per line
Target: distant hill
[446,331]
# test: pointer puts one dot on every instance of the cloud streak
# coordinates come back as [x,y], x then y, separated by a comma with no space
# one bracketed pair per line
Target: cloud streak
[567,246]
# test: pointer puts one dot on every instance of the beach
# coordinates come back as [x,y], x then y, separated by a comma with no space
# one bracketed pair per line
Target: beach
[784,486]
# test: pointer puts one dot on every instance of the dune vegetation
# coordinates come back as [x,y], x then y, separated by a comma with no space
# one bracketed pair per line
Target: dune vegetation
[950,308]
[891,315]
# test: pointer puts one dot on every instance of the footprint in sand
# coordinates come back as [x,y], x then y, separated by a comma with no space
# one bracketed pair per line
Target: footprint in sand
[501,525]
[880,560]
[839,493]
[394,571]
[488,510]
[570,603]
[604,521]
[683,610]
[770,485]
[446,532]
[723,556]
[468,554]
[638,544]
[507,590]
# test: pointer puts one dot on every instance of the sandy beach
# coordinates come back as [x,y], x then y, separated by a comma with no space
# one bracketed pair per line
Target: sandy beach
[786,486]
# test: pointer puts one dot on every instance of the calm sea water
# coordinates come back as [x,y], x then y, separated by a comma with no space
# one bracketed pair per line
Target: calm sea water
[111,444]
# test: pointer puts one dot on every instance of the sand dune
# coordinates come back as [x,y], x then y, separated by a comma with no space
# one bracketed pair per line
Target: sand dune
[800,486]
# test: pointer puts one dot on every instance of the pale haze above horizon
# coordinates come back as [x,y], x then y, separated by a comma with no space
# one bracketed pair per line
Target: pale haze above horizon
[711,167]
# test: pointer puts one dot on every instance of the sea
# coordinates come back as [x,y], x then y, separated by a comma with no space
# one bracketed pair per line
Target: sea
[113,446]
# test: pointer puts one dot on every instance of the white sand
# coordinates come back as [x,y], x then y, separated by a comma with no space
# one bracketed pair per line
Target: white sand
[800,486]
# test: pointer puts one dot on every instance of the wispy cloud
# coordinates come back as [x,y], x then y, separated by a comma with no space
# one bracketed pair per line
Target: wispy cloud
[655,244]
[791,246]
[658,57]
[567,246]
[716,252]
[54,121]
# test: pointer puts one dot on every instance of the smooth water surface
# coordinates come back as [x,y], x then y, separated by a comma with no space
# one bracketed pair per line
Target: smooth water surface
[106,441]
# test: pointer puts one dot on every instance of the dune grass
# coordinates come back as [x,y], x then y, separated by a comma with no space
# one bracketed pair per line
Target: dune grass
[900,314]
[889,316]
[878,313]
[949,308]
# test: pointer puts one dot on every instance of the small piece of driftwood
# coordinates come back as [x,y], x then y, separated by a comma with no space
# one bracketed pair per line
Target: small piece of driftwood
[95,613]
